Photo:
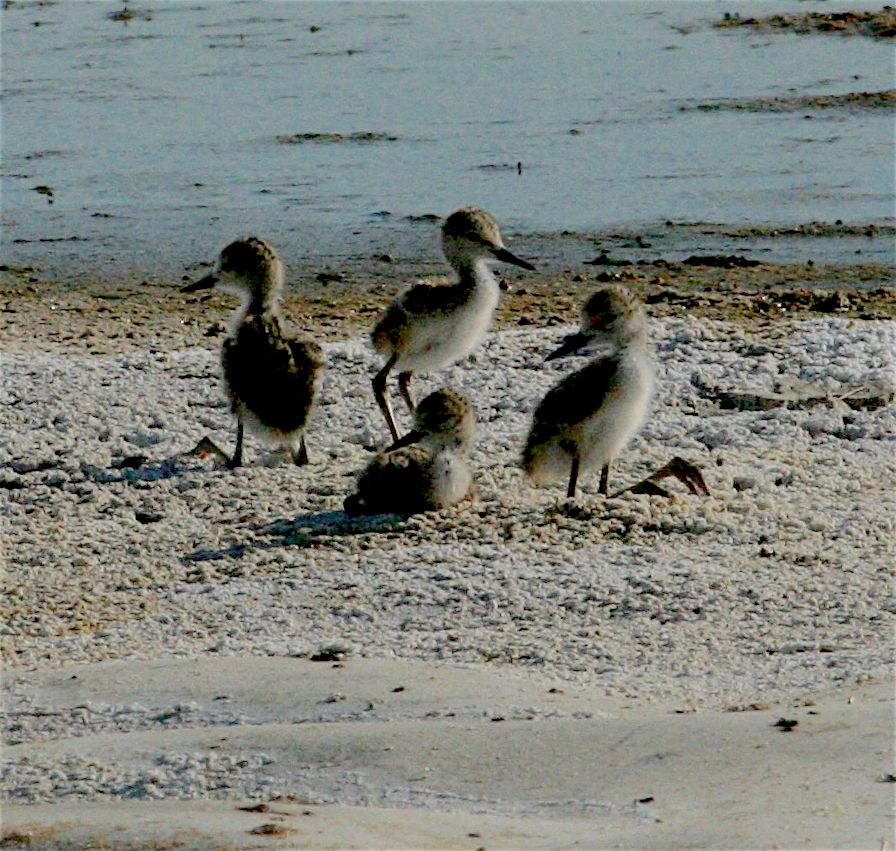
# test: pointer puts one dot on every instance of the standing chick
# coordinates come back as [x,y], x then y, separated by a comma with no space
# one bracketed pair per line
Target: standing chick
[428,468]
[271,378]
[584,422]
[434,325]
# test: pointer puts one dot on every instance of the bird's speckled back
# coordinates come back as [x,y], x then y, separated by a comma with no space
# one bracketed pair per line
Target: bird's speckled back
[447,415]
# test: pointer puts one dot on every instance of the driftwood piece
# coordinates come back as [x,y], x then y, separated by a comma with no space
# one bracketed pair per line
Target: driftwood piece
[796,394]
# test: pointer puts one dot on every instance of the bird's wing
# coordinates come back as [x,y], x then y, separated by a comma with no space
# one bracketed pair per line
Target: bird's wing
[306,354]
[272,376]
[421,301]
[573,400]
[431,299]
[396,482]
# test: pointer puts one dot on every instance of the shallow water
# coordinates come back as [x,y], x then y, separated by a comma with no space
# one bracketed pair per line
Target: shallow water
[324,126]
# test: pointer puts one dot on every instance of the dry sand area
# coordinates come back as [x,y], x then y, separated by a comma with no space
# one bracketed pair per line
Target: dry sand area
[432,757]
[198,658]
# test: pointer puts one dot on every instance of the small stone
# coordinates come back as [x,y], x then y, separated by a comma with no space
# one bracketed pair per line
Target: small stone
[334,653]
[744,483]
[148,516]
[330,277]
[271,830]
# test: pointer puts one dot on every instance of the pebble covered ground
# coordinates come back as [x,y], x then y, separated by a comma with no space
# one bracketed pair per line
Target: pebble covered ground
[120,545]
[775,380]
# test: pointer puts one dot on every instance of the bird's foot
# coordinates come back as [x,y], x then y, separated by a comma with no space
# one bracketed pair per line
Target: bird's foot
[689,475]
[647,486]
[207,448]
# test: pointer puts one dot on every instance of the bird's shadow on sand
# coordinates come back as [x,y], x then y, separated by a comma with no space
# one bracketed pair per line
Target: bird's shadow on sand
[128,469]
[306,531]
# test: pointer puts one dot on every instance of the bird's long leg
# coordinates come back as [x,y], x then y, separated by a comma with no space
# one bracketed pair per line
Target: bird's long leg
[300,458]
[404,387]
[237,460]
[573,478]
[379,391]
[604,480]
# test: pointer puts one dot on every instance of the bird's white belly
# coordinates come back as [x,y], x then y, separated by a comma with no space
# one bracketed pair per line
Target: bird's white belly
[603,434]
[267,433]
[438,341]
[451,478]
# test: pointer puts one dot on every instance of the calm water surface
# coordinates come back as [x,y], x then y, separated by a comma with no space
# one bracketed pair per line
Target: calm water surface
[325,126]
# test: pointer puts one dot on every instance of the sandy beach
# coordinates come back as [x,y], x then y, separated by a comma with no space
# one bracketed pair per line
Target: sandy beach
[210,659]
[430,756]
[206,659]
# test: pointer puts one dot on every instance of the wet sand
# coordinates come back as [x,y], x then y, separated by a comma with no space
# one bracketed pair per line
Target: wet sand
[336,298]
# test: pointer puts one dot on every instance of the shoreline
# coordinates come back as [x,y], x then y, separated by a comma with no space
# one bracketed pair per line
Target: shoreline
[707,271]
[414,240]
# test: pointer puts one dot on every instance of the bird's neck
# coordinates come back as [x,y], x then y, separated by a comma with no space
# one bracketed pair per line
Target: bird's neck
[635,353]
[474,274]
[267,307]
[442,444]
[633,340]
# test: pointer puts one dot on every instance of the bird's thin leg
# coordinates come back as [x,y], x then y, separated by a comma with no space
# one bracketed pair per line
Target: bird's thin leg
[300,458]
[604,488]
[404,387]
[237,460]
[379,391]
[573,478]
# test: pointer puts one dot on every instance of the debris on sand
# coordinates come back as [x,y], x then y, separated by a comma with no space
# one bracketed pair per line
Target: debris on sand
[880,24]
[852,101]
[335,138]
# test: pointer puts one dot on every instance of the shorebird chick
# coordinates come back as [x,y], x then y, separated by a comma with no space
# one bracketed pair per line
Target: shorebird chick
[427,469]
[271,378]
[434,325]
[584,422]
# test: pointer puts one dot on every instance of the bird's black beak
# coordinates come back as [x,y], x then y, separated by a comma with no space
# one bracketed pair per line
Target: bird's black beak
[413,436]
[571,344]
[205,283]
[506,256]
